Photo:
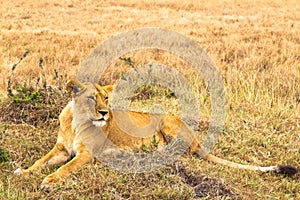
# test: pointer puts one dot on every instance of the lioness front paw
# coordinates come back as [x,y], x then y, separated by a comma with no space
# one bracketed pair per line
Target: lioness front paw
[51,181]
[21,172]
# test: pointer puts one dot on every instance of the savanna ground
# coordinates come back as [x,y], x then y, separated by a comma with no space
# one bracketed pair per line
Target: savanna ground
[254,44]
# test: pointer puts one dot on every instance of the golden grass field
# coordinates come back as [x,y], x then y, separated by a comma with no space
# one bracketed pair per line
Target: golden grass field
[254,44]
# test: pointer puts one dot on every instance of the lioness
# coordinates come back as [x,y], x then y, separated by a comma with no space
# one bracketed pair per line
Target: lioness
[98,114]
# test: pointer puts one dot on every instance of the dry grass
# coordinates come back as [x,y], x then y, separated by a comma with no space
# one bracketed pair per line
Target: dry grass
[255,45]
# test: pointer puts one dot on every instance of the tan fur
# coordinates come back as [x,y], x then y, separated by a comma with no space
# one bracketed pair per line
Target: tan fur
[70,138]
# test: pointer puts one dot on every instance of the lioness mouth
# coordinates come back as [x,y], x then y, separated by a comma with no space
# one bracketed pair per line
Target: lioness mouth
[100,122]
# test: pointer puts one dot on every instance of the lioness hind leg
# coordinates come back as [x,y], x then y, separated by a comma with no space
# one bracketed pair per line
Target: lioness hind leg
[173,127]
[82,157]
[56,156]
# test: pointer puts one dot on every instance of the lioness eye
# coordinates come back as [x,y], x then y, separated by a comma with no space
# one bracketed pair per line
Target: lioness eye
[91,97]
[106,98]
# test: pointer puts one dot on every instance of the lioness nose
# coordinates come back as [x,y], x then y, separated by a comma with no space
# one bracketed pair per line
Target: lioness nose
[103,112]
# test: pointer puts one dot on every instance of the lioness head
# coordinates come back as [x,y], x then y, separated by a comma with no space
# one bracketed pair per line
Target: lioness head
[90,101]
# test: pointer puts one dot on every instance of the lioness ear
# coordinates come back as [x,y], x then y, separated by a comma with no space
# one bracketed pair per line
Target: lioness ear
[109,88]
[74,87]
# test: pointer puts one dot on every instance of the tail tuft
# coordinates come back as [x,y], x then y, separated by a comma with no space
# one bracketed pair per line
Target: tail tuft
[288,170]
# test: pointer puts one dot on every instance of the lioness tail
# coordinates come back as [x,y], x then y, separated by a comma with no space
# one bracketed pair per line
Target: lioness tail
[288,170]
